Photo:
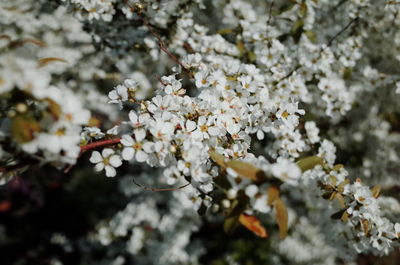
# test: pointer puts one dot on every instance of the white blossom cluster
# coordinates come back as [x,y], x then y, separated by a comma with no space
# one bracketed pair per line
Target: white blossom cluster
[247,94]
[46,116]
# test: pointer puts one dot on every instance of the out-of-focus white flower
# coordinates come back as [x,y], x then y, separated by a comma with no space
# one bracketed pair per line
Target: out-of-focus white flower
[286,170]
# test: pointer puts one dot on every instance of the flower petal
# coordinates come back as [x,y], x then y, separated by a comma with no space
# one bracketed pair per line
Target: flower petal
[99,167]
[128,153]
[110,171]
[96,157]
[140,134]
[127,140]
[107,152]
[115,161]
[141,156]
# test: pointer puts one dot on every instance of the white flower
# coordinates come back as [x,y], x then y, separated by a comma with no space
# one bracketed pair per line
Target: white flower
[175,88]
[258,198]
[136,148]
[205,128]
[138,120]
[92,132]
[397,230]
[113,131]
[312,131]
[107,160]
[327,151]
[286,170]
[118,94]
[201,79]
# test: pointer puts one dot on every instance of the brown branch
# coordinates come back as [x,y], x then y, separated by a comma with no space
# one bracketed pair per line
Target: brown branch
[161,44]
[270,13]
[158,189]
[92,146]
[341,31]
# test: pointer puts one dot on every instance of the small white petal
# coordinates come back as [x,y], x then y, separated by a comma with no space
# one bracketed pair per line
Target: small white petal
[133,117]
[190,125]
[128,153]
[107,152]
[213,131]
[148,147]
[99,167]
[110,171]
[141,156]
[260,135]
[127,140]
[233,128]
[251,190]
[113,95]
[95,157]
[115,161]
[140,134]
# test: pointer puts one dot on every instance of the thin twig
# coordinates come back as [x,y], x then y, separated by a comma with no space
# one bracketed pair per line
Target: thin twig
[94,145]
[329,43]
[270,14]
[158,189]
[341,31]
[161,44]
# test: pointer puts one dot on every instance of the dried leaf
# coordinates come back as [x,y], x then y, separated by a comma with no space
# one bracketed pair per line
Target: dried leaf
[337,167]
[246,170]
[333,195]
[376,190]
[53,107]
[17,43]
[217,158]
[46,60]
[273,194]
[281,215]
[24,127]
[341,186]
[327,195]
[310,162]
[225,31]
[253,224]
[339,197]
[366,226]
[240,46]
[345,216]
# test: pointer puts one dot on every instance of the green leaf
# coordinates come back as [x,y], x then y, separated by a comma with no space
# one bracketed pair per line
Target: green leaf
[230,224]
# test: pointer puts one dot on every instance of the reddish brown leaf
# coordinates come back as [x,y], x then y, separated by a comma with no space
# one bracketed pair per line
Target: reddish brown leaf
[253,224]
